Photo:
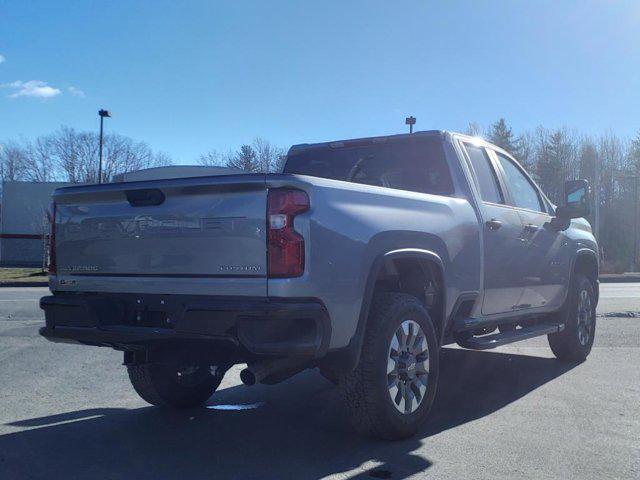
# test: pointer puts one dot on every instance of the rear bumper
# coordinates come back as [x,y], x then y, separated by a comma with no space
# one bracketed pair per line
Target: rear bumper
[253,326]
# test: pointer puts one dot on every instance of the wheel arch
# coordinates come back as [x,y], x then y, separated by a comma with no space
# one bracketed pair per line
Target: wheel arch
[406,261]
[586,262]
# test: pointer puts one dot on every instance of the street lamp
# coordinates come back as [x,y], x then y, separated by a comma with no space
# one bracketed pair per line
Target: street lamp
[102,113]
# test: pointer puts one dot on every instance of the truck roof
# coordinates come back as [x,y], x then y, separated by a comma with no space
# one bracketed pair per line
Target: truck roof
[363,141]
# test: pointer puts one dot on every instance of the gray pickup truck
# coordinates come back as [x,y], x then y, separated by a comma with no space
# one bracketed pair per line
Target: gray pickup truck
[362,259]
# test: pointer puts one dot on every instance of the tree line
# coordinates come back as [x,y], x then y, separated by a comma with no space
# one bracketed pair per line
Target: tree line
[551,156]
[68,155]
[258,157]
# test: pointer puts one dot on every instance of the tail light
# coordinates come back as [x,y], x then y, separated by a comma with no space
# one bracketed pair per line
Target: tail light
[286,246]
[52,241]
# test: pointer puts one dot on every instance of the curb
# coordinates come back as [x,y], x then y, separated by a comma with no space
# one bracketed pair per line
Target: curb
[24,284]
[619,278]
[619,314]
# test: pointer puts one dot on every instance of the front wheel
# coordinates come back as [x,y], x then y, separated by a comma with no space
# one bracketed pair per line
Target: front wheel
[390,392]
[167,385]
[575,341]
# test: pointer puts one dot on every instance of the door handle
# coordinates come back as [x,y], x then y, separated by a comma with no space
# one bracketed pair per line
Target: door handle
[530,227]
[493,224]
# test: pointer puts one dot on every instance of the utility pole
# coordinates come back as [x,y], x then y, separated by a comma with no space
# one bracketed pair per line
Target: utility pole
[102,113]
[411,121]
[596,200]
[635,222]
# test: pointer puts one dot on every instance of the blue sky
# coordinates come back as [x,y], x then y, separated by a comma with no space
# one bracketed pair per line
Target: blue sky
[192,76]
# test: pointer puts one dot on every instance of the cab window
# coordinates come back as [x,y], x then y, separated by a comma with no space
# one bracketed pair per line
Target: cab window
[485,175]
[524,194]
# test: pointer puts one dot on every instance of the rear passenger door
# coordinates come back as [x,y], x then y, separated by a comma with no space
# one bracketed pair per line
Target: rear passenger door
[501,235]
[544,256]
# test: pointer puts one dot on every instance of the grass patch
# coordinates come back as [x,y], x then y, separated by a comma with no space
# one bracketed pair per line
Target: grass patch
[22,275]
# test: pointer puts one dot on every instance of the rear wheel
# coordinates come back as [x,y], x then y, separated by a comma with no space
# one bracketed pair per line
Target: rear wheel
[331,375]
[390,392]
[167,385]
[575,341]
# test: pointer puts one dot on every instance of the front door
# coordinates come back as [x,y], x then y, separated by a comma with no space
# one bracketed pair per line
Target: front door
[545,262]
[502,227]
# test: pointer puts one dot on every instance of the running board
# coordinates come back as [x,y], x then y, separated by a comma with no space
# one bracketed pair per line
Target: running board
[486,342]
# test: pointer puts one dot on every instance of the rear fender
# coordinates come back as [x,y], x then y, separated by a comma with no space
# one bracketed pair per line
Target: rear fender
[347,359]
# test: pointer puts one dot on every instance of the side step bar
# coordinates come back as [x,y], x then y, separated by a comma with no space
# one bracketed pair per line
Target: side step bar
[486,342]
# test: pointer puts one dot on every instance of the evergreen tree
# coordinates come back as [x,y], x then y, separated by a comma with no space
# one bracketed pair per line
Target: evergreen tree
[500,134]
[556,162]
[588,158]
[244,159]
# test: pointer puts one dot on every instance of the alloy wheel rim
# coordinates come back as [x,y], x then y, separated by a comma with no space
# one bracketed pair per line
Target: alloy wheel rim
[408,367]
[585,318]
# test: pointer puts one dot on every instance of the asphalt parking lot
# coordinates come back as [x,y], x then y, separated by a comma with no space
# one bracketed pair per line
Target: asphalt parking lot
[515,412]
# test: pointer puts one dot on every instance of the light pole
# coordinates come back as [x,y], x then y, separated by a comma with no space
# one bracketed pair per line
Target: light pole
[635,222]
[102,113]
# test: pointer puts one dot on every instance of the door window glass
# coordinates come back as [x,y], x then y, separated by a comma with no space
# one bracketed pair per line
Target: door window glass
[485,175]
[523,192]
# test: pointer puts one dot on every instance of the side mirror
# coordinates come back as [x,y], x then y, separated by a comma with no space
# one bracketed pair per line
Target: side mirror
[577,200]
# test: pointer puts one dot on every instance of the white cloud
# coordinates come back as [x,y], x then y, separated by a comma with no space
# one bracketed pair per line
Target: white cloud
[32,88]
[2,59]
[76,92]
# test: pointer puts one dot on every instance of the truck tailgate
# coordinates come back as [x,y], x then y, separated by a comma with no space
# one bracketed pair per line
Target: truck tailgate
[211,227]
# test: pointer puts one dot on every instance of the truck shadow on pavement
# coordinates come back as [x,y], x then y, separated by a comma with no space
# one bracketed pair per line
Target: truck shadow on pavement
[300,431]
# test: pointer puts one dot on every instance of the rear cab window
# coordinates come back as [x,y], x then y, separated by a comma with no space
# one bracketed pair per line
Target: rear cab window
[485,174]
[415,164]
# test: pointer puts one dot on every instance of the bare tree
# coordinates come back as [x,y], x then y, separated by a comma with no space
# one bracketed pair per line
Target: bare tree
[611,157]
[40,163]
[161,159]
[13,158]
[474,129]
[213,158]
[526,152]
[261,156]
[633,154]
[75,154]
[269,157]
[122,154]
[281,161]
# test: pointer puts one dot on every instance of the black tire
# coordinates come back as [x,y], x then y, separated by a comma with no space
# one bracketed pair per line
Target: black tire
[331,375]
[570,344]
[366,389]
[160,385]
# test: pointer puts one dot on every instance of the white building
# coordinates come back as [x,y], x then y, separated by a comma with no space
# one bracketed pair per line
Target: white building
[24,223]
